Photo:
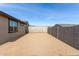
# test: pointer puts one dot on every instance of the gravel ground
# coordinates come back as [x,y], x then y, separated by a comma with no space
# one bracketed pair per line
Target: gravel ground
[37,44]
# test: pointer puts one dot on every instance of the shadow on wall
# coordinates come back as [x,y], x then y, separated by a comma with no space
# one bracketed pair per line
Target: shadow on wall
[69,35]
[12,39]
[16,38]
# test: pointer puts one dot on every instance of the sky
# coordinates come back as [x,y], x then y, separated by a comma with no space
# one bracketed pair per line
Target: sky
[43,14]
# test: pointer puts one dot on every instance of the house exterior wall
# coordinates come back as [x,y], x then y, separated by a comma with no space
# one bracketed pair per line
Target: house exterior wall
[4,35]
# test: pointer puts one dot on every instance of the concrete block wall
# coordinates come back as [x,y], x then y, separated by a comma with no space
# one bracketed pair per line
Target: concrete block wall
[59,32]
[69,35]
[76,36]
[36,29]
[54,31]
[50,30]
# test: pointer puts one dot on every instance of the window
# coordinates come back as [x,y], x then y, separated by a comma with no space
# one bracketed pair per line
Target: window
[21,24]
[13,26]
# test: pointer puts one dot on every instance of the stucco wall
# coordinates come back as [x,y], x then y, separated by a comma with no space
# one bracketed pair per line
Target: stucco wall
[4,35]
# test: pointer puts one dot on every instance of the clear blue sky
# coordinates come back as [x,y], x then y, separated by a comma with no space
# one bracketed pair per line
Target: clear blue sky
[43,13]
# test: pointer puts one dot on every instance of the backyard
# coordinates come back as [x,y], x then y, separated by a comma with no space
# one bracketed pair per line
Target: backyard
[37,44]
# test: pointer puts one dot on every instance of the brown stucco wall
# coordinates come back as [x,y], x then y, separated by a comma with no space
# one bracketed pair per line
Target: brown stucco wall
[4,35]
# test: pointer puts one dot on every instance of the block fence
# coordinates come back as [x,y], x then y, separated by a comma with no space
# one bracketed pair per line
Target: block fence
[67,33]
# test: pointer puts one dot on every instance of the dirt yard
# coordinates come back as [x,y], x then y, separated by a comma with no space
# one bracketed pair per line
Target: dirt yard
[37,44]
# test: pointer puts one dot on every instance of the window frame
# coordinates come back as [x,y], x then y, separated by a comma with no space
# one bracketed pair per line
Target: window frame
[14,28]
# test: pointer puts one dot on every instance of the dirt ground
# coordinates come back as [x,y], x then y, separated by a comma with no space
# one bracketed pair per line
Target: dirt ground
[37,44]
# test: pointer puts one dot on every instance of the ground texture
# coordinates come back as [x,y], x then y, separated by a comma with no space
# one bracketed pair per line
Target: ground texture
[37,44]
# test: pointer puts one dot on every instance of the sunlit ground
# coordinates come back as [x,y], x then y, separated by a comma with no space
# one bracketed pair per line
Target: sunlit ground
[37,44]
